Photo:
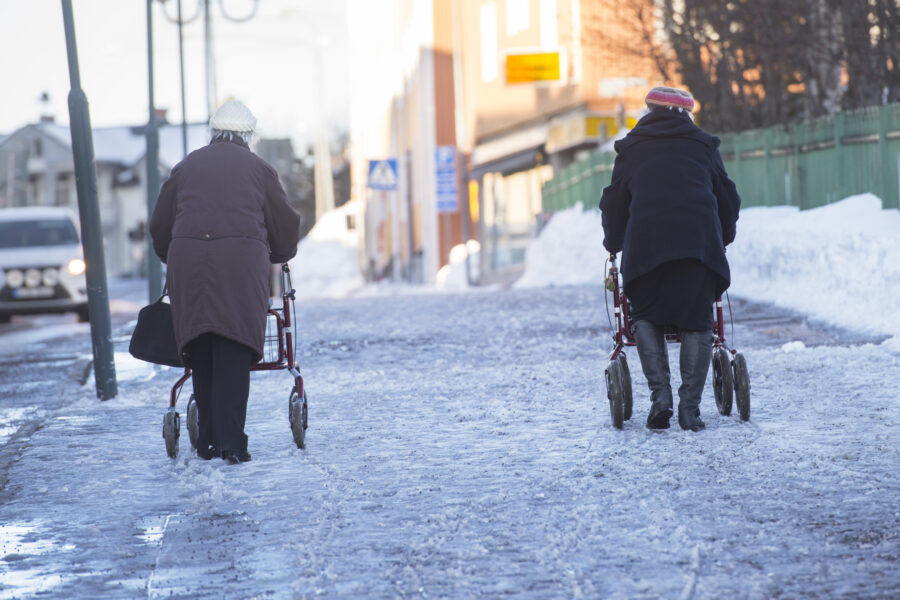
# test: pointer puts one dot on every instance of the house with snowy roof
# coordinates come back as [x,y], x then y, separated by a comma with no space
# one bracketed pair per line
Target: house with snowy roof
[37,169]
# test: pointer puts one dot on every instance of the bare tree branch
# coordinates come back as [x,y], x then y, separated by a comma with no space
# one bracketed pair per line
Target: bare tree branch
[754,63]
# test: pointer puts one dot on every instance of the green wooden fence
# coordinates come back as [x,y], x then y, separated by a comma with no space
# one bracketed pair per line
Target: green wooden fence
[805,164]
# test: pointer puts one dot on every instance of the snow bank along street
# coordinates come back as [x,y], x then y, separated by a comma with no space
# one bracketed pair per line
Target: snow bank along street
[839,263]
[460,446]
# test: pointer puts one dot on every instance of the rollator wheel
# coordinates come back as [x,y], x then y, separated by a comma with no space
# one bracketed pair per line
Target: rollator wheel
[615,393]
[626,386]
[723,381]
[742,386]
[171,432]
[298,416]
[193,421]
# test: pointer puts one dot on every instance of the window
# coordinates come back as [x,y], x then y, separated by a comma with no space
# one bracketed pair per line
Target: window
[489,53]
[517,16]
[549,25]
[63,195]
[43,232]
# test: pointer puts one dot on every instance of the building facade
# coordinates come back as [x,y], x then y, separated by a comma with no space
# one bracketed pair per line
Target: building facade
[517,89]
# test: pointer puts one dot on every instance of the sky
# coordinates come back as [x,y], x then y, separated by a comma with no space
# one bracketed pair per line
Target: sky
[274,62]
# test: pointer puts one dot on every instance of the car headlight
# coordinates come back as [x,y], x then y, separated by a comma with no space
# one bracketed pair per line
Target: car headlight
[32,278]
[15,278]
[76,266]
[50,277]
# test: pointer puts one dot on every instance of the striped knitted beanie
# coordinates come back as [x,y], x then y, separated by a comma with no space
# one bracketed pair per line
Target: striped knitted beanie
[667,96]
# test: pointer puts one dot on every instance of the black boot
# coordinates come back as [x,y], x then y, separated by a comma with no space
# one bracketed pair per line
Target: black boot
[651,347]
[233,457]
[690,420]
[207,451]
[696,351]
[659,418]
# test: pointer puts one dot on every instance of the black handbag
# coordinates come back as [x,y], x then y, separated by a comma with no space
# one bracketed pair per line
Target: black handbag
[153,339]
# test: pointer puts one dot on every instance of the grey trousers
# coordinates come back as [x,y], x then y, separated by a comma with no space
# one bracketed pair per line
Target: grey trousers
[696,352]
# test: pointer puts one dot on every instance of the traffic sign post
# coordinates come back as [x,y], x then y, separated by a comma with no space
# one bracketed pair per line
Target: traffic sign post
[446,179]
[383,174]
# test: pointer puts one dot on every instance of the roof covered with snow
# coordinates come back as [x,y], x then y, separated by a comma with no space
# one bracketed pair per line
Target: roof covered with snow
[127,145]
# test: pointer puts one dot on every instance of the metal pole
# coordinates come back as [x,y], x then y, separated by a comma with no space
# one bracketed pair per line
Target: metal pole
[207,37]
[184,140]
[322,175]
[466,214]
[462,144]
[154,267]
[89,211]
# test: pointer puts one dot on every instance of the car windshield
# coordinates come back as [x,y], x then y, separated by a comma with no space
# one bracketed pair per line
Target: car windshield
[37,232]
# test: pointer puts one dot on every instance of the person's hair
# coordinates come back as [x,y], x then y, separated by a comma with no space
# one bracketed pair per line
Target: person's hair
[683,111]
[219,134]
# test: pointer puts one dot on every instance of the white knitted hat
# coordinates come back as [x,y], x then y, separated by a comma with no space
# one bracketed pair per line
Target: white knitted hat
[233,116]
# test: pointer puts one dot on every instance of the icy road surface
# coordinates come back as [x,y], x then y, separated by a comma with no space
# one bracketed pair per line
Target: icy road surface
[460,446]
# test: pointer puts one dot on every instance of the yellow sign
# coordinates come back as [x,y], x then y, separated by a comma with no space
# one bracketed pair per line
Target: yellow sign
[528,68]
[473,200]
[577,130]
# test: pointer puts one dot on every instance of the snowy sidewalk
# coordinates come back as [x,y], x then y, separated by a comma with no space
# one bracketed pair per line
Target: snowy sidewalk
[460,447]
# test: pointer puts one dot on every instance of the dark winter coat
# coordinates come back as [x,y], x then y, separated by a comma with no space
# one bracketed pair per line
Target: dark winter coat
[221,219]
[670,198]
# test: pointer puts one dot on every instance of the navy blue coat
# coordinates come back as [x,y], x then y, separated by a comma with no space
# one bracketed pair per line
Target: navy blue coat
[670,198]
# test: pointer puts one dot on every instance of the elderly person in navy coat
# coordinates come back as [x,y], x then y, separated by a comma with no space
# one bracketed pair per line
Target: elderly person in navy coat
[671,210]
[221,219]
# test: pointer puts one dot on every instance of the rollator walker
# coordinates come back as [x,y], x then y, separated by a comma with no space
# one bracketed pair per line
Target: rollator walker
[731,380]
[279,353]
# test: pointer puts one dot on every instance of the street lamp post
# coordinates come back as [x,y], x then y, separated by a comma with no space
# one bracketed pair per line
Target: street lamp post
[89,211]
[208,43]
[184,138]
[154,266]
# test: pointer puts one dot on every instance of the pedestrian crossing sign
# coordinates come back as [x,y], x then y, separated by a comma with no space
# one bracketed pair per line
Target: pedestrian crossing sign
[383,174]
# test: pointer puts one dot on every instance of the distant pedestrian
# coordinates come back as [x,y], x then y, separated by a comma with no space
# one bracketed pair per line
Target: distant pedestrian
[221,219]
[671,210]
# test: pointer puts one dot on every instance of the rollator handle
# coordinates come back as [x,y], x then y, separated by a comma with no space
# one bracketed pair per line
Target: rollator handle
[610,282]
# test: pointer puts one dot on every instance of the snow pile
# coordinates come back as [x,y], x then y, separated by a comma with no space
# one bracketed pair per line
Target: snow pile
[327,260]
[453,276]
[569,251]
[128,368]
[839,263]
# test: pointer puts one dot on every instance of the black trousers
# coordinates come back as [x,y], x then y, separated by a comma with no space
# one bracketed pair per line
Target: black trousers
[221,374]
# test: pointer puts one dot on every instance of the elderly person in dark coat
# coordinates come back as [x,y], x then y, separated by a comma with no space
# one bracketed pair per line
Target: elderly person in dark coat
[671,210]
[221,219]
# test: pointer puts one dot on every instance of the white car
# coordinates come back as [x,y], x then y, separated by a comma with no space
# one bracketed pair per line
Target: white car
[41,263]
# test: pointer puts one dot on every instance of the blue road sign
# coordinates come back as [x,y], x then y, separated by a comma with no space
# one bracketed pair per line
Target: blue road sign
[383,174]
[446,179]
